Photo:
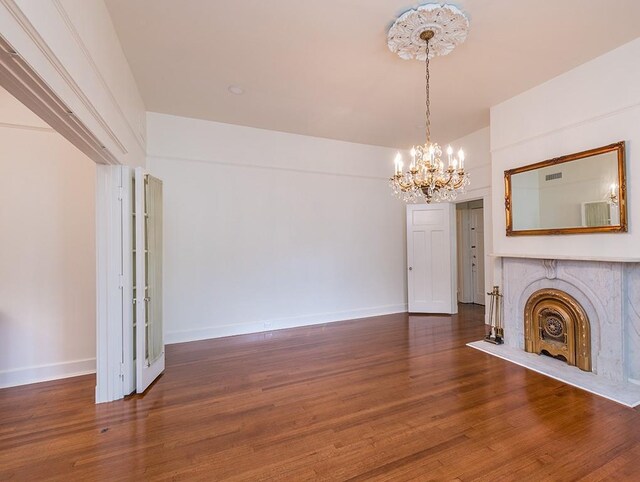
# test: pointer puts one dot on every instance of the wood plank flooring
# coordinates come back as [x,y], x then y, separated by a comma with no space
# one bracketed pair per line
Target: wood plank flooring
[395,397]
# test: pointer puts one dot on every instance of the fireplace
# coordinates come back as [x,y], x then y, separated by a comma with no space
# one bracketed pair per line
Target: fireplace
[607,292]
[556,325]
[583,311]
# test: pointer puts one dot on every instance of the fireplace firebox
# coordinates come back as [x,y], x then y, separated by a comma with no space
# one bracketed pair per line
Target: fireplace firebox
[557,325]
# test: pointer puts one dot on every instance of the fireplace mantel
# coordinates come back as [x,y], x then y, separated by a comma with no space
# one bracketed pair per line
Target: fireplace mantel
[603,259]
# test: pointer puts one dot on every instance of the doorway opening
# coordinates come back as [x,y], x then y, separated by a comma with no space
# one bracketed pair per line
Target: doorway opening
[48,255]
[470,252]
[54,206]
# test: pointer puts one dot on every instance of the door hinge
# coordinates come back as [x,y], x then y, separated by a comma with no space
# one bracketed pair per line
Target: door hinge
[122,367]
[121,281]
[120,193]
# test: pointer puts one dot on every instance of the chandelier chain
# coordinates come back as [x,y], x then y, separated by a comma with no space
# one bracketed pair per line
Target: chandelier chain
[427,102]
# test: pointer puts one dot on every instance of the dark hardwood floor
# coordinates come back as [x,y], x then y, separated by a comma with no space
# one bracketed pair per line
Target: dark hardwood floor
[394,397]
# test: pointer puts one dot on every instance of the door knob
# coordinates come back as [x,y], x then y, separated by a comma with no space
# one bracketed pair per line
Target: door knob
[410,268]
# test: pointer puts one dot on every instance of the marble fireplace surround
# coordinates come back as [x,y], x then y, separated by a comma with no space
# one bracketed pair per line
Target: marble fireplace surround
[609,292]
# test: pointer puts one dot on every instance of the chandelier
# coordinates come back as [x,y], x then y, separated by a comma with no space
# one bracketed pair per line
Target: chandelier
[422,33]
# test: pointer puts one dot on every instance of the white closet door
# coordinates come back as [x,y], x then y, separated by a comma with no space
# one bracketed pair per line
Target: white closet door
[477,255]
[431,258]
[148,279]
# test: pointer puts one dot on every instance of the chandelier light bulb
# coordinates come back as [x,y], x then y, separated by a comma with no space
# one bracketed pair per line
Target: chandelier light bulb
[398,163]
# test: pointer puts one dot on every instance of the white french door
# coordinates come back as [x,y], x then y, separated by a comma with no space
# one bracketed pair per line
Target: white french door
[431,258]
[147,288]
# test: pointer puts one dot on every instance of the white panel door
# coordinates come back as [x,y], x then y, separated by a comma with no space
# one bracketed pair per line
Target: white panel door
[431,258]
[148,279]
[477,255]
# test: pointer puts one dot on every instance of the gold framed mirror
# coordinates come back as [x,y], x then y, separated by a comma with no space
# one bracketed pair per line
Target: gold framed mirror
[578,193]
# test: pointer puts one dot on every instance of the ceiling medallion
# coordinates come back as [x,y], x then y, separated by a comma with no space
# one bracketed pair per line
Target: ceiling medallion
[448,24]
[421,34]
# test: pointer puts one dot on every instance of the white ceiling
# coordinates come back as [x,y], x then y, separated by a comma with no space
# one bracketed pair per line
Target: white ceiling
[322,68]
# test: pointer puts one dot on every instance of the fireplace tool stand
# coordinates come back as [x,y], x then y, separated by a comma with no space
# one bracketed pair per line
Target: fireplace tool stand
[496,331]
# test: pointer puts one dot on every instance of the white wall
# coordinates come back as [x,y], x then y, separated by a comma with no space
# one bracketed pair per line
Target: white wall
[592,105]
[478,164]
[477,161]
[267,230]
[47,259]
[73,47]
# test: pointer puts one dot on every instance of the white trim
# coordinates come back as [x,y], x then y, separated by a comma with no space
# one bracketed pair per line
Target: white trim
[259,166]
[43,373]
[602,259]
[9,125]
[279,323]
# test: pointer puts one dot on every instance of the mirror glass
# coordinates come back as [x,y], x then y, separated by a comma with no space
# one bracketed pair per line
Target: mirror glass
[576,193]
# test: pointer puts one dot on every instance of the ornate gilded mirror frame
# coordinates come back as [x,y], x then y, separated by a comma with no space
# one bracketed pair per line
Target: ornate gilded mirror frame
[618,147]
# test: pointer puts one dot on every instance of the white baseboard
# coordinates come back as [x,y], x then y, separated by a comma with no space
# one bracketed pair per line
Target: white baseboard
[278,324]
[44,373]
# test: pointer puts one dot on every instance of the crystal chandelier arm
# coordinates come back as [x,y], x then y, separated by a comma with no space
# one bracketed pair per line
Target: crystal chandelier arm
[440,183]
[460,183]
